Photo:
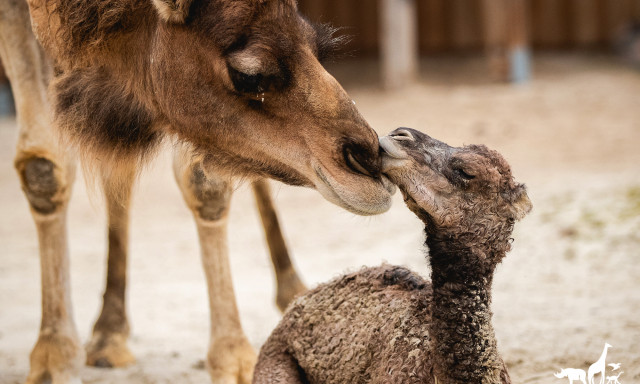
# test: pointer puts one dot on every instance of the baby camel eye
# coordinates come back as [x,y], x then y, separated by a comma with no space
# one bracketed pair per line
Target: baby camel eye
[402,135]
[460,172]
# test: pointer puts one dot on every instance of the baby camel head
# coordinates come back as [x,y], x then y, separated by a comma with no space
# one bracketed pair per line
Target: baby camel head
[456,191]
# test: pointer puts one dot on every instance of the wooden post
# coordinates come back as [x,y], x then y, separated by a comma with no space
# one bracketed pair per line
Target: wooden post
[367,26]
[617,15]
[432,28]
[518,42]
[465,26]
[550,20]
[495,32]
[398,42]
[506,39]
[585,31]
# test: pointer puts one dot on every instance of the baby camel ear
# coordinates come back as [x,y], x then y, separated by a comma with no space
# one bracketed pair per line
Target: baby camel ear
[520,205]
[173,11]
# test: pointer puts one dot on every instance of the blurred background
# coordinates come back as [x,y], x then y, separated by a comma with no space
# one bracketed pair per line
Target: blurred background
[554,85]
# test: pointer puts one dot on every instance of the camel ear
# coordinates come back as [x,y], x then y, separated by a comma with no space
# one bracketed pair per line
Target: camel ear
[521,205]
[173,11]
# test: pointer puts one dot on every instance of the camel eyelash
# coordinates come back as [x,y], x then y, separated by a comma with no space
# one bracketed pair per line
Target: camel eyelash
[329,47]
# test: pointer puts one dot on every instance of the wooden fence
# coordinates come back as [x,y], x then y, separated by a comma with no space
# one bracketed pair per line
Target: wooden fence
[445,26]
[458,25]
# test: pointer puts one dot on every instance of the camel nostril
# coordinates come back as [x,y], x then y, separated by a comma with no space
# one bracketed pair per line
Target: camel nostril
[359,160]
[355,165]
[402,135]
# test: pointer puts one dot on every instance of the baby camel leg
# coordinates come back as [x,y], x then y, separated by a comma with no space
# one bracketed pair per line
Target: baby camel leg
[277,366]
[46,176]
[231,358]
[108,345]
[288,282]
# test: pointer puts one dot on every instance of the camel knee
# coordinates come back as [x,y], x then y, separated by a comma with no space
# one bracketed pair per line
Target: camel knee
[44,184]
[208,196]
[212,197]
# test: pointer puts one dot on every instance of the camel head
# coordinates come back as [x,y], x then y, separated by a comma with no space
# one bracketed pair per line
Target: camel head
[468,190]
[242,80]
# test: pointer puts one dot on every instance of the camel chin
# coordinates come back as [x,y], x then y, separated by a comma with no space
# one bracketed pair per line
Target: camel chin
[359,194]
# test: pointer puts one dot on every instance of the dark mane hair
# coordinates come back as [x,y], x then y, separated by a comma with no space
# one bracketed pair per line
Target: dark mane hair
[89,23]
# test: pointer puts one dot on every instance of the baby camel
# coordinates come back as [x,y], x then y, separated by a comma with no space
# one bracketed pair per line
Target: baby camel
[389,325]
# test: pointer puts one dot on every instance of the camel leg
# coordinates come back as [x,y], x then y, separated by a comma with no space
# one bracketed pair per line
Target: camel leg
[231,358]
[46,176]
[46,181]
[288,282]
[108,345]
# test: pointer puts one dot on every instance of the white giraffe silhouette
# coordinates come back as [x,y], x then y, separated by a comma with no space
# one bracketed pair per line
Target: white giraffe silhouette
[614,379]
[599,366]
[572,374]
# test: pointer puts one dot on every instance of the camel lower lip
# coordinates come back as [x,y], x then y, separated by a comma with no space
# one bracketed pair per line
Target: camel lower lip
[324,180]
[329,192]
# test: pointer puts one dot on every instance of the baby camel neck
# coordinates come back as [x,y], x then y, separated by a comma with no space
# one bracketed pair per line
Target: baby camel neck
[464,347]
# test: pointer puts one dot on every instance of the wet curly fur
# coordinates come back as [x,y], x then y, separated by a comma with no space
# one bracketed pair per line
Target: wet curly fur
[389,304]
[389,325]
[378,325]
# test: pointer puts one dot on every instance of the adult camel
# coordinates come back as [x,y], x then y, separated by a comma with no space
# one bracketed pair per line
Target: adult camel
[237,82]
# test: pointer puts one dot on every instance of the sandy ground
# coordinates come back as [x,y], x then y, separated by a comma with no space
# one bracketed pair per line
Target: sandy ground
[571,283]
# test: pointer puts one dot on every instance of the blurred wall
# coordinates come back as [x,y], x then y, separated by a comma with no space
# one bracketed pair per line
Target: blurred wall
[457,25]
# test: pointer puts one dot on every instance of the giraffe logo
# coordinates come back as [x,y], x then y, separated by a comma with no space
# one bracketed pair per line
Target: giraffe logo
[595,369]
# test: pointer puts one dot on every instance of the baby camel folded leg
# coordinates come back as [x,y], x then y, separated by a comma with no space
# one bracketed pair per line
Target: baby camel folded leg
[277,365]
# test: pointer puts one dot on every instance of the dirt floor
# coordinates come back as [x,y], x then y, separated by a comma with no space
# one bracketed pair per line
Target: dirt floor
[571,284]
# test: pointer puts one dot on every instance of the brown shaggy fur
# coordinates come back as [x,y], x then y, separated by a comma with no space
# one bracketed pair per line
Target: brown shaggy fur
[388,325]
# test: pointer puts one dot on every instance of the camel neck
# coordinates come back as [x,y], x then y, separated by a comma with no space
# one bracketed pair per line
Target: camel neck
[463,340]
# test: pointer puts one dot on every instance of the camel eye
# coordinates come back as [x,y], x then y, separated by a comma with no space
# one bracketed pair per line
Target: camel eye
[460,172]
[248,84]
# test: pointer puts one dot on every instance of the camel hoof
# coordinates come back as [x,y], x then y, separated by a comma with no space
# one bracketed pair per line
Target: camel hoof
[102,362]
[56,358]
[231,361]
[109,351]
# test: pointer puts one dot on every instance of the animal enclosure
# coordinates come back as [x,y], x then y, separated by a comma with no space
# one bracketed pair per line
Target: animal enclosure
[449,26]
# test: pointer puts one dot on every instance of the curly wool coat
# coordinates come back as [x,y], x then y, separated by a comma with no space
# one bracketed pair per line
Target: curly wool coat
[372,326]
